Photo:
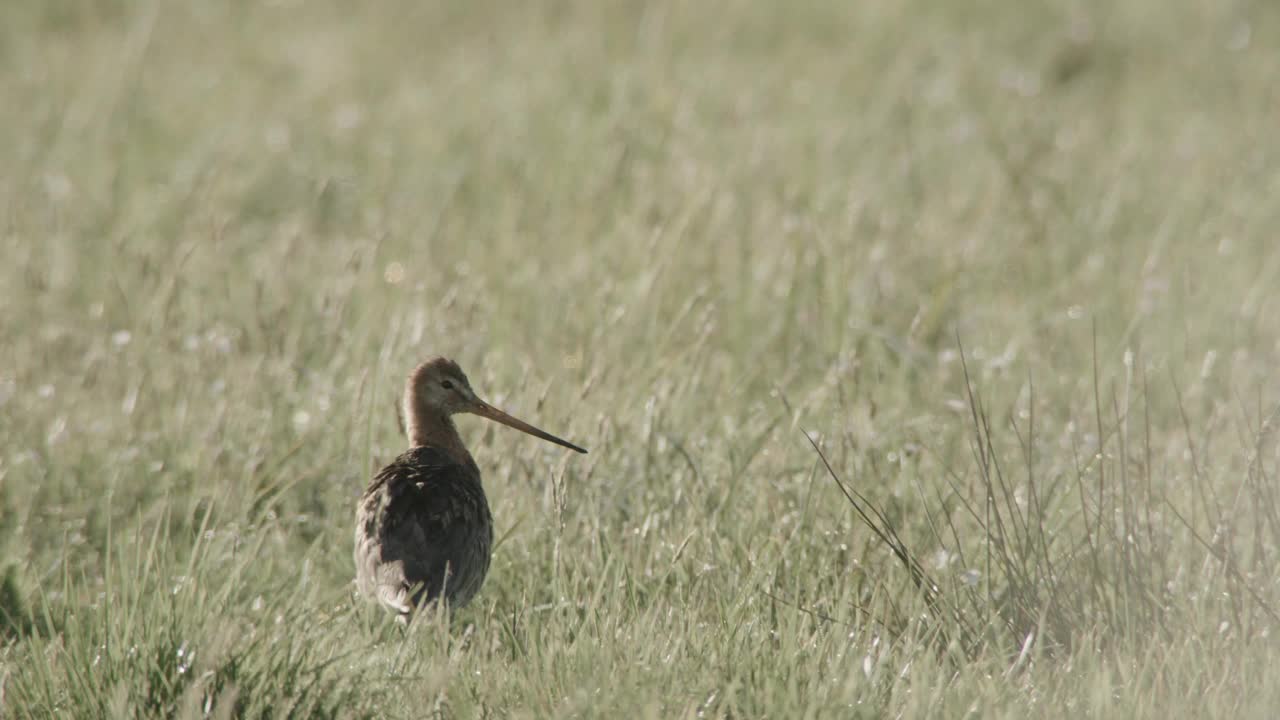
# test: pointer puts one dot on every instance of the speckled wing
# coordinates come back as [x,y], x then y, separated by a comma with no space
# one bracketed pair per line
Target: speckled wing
[422,530]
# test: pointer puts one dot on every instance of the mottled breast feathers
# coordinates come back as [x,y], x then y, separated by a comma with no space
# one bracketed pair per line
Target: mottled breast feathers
[423,531]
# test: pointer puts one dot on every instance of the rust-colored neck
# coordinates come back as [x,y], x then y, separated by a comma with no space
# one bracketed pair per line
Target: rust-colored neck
[431,427]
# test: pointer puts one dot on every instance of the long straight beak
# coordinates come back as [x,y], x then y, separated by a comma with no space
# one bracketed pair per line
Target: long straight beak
[484,409]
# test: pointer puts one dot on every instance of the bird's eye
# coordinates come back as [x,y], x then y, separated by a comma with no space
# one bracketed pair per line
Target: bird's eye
[446,384]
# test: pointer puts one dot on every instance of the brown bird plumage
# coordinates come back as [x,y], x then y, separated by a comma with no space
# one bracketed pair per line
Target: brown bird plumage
[423,528]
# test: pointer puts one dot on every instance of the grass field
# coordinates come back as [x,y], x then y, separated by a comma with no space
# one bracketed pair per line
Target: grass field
[1013,267]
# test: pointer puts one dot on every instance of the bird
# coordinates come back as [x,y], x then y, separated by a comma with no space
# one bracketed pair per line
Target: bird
[424,531]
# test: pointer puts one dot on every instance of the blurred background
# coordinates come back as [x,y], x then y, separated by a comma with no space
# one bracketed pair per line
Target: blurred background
[679,234]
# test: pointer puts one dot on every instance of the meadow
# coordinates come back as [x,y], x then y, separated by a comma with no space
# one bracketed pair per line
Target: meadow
[926,354]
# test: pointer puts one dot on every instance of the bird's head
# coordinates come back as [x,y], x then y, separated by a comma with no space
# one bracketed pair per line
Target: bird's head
[439,387]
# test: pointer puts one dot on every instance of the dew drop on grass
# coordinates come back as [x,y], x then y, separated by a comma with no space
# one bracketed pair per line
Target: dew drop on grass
[221,342]
[57,186]
[394,273]
[184,658]
[1206,368]
[348,117]
[276,137]
[57,431]
[1240,37]
[130,401]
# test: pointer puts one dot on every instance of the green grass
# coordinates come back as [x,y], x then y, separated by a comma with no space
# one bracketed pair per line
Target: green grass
[1012,267]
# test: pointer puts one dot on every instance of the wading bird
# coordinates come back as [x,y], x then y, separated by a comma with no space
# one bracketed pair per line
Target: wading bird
[423,528]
